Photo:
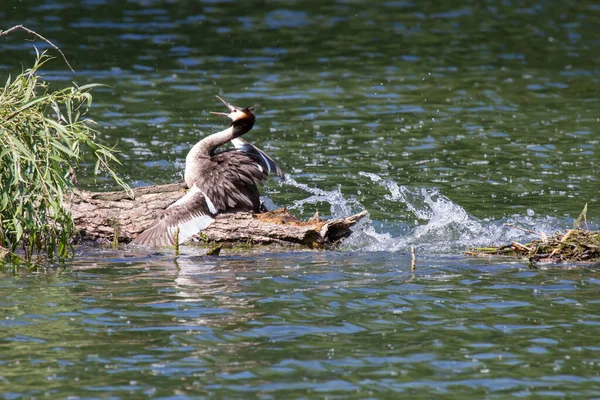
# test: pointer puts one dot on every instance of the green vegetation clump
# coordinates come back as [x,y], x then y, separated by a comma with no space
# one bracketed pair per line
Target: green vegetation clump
[43,136]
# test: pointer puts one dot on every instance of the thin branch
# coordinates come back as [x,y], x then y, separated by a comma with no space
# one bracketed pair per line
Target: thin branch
[14,28]
[542,235]
[522,229]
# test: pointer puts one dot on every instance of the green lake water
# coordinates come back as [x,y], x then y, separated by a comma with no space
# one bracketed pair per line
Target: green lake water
[444,120]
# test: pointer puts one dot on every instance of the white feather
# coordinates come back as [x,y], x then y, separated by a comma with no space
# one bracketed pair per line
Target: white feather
[210,204]
[238,143]
[198,221]
[193,190]
[192,227]
[266,162]
[245,146]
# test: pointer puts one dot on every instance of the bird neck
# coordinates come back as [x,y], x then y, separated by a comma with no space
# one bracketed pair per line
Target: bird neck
[207,146]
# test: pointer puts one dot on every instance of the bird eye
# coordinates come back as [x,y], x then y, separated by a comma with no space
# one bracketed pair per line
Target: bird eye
[234,110]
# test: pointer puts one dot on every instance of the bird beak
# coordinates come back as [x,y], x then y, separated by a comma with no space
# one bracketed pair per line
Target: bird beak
[222,113]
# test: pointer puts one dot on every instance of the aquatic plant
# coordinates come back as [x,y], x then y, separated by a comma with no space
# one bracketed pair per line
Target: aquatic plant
[43,137]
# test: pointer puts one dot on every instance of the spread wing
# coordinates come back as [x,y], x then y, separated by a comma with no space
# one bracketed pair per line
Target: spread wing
[231,181]
[262,158]
[191,214]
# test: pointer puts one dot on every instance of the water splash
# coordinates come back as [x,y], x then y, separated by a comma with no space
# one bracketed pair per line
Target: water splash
[440,226]
[444,226]
[340,206]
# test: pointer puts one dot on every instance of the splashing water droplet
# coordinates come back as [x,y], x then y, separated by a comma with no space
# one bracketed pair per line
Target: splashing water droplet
[441,226]
[339,205]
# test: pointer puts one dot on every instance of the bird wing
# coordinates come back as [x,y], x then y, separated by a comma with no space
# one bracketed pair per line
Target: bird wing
[231,180]
[191,214]
[262,158]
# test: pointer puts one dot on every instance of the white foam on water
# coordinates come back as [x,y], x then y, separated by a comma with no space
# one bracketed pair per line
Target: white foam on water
[440,226]
[445,227]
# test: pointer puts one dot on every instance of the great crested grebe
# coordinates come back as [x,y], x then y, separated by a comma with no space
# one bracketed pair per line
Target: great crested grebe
[217,182]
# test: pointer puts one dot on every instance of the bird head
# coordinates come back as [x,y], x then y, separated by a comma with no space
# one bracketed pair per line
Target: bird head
[236,113]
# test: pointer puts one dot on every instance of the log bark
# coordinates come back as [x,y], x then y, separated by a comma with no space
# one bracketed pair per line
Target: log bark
[115,216]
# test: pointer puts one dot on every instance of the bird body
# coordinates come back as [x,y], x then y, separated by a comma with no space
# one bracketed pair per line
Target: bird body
[217,182]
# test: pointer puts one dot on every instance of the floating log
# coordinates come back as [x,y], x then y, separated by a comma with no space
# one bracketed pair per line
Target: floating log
[115,217]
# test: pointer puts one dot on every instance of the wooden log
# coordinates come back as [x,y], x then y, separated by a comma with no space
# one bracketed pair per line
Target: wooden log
[115,216]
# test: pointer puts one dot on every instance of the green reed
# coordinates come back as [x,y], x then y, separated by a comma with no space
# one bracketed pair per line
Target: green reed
[43,136]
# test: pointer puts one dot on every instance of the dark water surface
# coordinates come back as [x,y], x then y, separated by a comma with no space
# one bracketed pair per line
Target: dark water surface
[443,119]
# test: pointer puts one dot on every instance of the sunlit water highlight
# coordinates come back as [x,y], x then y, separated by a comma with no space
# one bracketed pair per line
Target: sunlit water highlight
[444,120]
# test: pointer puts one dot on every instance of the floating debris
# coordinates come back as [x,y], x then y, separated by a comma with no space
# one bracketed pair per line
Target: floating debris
[576,245]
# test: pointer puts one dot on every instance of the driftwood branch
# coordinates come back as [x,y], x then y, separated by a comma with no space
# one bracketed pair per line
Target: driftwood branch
[14,28]
[115,216]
